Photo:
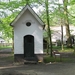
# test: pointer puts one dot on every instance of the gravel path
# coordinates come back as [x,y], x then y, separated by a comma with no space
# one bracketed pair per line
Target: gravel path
[40,69]
[7,67]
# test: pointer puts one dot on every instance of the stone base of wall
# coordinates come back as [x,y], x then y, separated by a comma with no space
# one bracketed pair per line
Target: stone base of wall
[18,57]
[39,57]
[21,58]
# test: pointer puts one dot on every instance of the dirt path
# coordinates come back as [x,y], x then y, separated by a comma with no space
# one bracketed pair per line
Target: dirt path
[8,67]
[40,69]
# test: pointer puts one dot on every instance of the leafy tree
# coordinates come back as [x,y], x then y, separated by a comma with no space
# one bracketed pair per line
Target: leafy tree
[66,20]
[48,23]
[10,9]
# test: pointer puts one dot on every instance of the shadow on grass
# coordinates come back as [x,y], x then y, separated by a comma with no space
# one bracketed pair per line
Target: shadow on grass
[48,59]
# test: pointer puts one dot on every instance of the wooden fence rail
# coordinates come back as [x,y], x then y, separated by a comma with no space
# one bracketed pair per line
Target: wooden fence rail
[5,44]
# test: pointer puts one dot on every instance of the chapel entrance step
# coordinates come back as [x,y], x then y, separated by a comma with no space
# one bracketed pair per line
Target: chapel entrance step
[30,60]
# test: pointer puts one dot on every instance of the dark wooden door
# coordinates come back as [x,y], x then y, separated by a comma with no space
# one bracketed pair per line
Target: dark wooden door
[28,46]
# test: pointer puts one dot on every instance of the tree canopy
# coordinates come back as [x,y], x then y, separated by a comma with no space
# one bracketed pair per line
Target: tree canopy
[9,9]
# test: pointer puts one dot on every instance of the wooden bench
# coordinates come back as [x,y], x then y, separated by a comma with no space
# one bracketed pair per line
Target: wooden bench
[56,54]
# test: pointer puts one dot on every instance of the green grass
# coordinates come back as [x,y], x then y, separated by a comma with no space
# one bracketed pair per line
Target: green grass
[7,58]
[58,48]
[67,50]
[48,59]
[5,47]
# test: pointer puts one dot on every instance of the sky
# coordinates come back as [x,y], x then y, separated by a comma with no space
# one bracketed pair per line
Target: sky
[41,8]
[61,1]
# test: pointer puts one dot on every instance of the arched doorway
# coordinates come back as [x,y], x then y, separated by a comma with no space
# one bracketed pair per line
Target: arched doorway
[28,46]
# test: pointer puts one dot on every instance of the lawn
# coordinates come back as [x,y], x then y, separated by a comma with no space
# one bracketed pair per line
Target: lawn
[48,59]
[68,55]
[5,47]
[58,48]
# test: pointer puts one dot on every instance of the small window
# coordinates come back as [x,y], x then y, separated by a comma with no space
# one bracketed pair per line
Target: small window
[28,24]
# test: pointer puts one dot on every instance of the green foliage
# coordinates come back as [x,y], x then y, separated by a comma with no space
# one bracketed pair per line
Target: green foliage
[6,29]
[72,2]
[10,9]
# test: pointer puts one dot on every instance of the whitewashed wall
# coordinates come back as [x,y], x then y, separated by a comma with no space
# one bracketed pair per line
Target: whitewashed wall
[20,30]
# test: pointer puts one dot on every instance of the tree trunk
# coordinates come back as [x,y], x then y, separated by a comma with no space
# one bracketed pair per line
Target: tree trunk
[61,23]
[66,20]
[49,31]
[62,35]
